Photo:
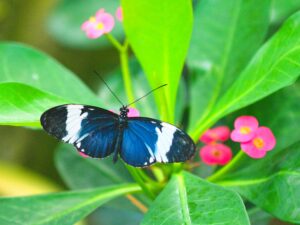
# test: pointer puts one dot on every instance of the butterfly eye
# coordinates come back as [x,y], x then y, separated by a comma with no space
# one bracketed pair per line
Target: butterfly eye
[127,110]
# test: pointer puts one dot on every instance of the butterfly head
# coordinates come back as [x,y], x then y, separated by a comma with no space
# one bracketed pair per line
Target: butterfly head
[123,112]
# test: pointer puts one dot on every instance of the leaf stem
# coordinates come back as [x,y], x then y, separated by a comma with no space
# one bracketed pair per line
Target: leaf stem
[224,170]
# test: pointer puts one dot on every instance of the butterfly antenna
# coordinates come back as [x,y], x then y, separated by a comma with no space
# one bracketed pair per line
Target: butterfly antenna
[98,75]
[146,94]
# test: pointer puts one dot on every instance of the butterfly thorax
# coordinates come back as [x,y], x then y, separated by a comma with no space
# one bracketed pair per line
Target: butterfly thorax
[121,126]
[123,115]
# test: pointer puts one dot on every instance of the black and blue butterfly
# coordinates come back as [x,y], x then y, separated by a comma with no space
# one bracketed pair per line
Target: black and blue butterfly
[98,133]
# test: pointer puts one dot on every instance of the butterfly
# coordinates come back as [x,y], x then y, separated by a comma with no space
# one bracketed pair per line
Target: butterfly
[98,133]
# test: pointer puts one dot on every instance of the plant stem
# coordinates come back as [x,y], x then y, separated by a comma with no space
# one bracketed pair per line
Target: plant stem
[137,174]
[137,203]
[126,75]
[123,51]
[114,42]
[216,176]
[158,173]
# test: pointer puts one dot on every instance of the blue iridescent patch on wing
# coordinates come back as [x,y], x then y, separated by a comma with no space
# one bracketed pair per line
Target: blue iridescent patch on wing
[147,141]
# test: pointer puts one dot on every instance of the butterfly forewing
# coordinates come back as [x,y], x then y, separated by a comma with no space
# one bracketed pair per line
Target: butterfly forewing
[146,141]
[90,129]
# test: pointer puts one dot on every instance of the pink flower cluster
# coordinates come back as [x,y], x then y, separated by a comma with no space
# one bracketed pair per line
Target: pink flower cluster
[102,23]
[214,152]
[255,141]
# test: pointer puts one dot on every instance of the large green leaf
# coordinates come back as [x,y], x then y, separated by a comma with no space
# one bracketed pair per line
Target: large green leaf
[227,41]
[99,172]
[273,67]
[64,23]
[107,216]
[259,217]
[282,9]
[62,208]
[284,122]
[254,175]
[269,182]
[22,105]
[189,200]
[221,47]
[159,34]
[19,63]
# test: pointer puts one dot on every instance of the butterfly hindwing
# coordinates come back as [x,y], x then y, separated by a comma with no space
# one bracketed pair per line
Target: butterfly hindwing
[90,129]
[146,141]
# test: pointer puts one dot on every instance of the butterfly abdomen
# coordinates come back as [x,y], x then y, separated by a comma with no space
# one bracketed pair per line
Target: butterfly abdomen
[121,126]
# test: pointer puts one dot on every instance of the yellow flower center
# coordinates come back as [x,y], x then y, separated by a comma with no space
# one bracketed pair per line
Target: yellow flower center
[100,26]
[216,153]
[245,130]
[92,19]
[258,143]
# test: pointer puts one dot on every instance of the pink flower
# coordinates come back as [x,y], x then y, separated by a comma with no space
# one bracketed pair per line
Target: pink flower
[215,154]
[99,24]
[262,142]
[220,133]
[83,155]
[245,127]
[119,13]
[133,112]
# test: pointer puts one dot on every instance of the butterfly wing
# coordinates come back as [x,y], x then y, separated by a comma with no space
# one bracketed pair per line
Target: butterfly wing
[92,130]
[146,141]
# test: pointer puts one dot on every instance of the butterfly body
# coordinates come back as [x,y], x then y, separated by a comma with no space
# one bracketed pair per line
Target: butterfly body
[98,133]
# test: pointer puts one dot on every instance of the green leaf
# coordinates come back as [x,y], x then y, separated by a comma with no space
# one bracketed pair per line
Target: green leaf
[282,9]
[25,65]
[65,21]
[247,173]
[221,47]
[273,67]
[284,123]
[107,216]
[228,41]
[60,208]
[188,199]
[269,182]
[100,172]
[259,217]
[22,105]
[159,34]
